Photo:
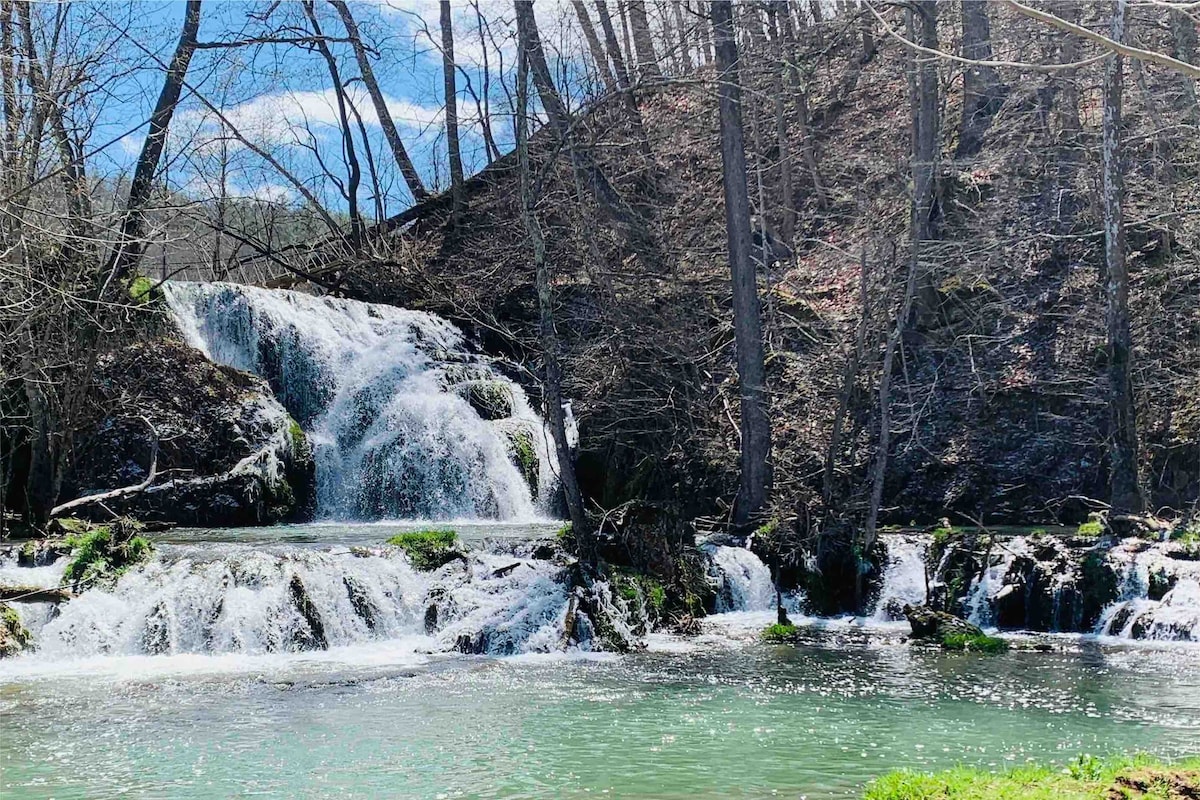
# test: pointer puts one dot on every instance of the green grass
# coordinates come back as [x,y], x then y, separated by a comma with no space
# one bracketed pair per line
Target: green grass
[975,643]
[141,290]
[100,553]
[1088,778]
[428,549]
[1093,527]
[779,633]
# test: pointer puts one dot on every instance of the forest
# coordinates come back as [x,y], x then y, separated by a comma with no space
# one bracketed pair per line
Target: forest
[670,355]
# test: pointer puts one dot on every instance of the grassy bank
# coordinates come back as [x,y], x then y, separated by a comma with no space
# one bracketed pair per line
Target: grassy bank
[1086,779]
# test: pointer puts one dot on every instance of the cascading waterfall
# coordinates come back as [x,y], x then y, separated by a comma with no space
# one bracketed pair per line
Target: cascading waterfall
[1159,595]
[222,598]
[404,421]
[904,578]
[744,581]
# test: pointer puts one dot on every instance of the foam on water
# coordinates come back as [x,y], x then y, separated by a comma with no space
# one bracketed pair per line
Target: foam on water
[382,394]
[904,578]
[743,580]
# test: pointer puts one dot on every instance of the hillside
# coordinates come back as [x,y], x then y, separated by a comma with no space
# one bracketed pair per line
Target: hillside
[999,397]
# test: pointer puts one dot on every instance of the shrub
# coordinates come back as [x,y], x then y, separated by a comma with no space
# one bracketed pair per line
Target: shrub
[1093,527]
[428,549]
[105,552]
[780,633]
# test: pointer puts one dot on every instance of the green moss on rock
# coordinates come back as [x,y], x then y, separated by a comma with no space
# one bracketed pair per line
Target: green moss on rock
[14,637]
[102,553]
[428,550]
[524,455]
[779,632]
[974,642]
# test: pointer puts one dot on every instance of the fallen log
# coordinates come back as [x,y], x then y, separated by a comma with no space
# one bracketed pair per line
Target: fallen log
[34,594]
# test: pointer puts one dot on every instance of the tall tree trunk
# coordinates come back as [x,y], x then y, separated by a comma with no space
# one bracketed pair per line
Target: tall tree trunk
[614,47]
[796,84]
[594,46]
[983,94]
[381,110]
[925,146]
[451,92]
[643,44]
[485,112]
[349,152]
[1125,494]
[1069,53]
[133,227]
[1183,41]
[685,46]
[747,325]
[787,192]
[547,335]
[623,10]
[879,466]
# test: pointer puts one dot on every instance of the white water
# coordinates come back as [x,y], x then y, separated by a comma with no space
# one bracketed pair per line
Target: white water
[249,600]
[744,581]
[904,579]
[379,391]
[1176,616]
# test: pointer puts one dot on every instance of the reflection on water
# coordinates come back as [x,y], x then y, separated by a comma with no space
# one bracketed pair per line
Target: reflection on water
[716,718]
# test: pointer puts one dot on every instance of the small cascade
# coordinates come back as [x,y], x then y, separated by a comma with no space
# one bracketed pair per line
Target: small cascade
[404,420]
[904,579]
[743,580]
[1158,593]
[237,599]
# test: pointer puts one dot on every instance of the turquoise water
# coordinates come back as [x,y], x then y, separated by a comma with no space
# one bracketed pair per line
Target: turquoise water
[721,716]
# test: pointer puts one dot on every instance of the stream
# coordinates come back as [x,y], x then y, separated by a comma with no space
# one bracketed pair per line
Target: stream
[395,713]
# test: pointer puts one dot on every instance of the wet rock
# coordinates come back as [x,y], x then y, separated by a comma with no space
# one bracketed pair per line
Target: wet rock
[360,601]
[312,638]
[491,399]
[929,624]
[227,451]
[14,638]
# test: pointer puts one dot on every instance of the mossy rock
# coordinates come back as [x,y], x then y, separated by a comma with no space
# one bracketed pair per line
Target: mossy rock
[144,291]
[491,399]
[524,455]
[974,643]
[780,632]
[14,638]
[102,553]
[428,550]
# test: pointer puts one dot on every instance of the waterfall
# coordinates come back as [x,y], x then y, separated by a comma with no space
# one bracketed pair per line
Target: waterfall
[1158,593]
[744,582]
[404,421]
[232,598]
[904,578]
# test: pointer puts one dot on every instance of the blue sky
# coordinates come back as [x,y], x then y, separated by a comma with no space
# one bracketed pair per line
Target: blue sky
[280,96]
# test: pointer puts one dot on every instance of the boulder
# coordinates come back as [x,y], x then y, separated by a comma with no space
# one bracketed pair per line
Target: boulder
[226,451]
[929,624]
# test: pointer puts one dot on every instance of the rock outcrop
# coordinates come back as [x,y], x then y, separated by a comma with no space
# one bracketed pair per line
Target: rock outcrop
[225,451]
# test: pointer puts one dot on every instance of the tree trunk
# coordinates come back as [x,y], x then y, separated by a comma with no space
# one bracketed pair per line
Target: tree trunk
[623,10]
[796,84]
[133,227]
[381,110]
[1125,495]
[787,192]
[925,147]
[755,426]
[349,152]
[647,61]
[530,44]
[614,47]
[547,336]
[594,47]
[1183,40]
[983,94]
[879,467]
[1069,53]
[685,48]
[451,92]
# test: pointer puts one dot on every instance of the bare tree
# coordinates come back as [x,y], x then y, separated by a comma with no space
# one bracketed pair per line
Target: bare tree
[411,177]
[133,228]
[552,371]
[643,44]
[747,324]
[1123,448]
[451,92]
[983,92]
[594,46]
